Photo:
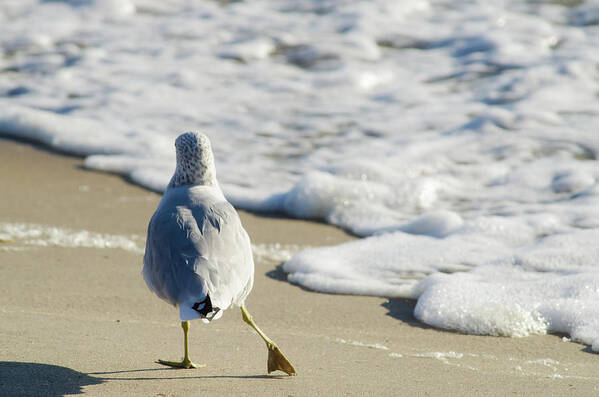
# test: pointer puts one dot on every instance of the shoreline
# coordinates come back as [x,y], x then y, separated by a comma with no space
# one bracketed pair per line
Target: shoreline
[81,319]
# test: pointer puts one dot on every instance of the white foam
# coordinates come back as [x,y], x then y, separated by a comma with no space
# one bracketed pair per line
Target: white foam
[377,346]
[546,362]
[437,224]
[275,252]
[20,235]
[514,288]
[440,355]
[59,132]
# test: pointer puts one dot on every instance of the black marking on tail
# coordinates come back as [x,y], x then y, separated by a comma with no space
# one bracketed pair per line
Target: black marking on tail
[204,307]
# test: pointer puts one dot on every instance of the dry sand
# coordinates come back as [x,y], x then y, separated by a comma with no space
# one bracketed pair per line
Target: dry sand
[81,320]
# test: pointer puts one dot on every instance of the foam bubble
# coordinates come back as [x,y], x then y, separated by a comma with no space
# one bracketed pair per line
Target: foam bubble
[437,224]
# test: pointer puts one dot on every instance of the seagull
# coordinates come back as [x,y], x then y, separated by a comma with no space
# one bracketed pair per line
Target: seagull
[198,255]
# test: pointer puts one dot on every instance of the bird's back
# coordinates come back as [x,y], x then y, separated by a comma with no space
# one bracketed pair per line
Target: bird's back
[197,252]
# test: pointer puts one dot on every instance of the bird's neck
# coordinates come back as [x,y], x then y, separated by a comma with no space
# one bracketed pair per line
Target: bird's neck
[198,176]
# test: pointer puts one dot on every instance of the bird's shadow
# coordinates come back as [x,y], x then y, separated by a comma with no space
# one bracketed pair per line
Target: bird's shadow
[35,379]
[103,377]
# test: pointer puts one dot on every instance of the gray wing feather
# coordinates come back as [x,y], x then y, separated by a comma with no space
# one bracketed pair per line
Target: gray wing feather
[197,246]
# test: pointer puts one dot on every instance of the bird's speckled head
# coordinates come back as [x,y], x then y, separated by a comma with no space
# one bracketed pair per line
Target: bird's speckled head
[195,162]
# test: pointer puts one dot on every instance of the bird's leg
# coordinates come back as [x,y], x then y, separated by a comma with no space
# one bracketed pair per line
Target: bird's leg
[276,359]
[186,363]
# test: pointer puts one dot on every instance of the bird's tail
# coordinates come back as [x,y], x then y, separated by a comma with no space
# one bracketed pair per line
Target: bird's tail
[202,309]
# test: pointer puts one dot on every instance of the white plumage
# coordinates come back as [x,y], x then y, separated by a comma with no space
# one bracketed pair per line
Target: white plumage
[197,249]
[197,252]
[198,255]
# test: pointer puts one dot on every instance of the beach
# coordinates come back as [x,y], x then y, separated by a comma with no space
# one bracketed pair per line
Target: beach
[79,319]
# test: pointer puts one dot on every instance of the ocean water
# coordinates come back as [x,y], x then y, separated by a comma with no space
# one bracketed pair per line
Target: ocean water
[459,139]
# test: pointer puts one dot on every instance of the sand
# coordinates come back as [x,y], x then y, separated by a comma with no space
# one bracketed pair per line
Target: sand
[81,320]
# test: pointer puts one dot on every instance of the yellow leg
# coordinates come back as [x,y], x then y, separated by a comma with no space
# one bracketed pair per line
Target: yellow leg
[186,362]
[276,359]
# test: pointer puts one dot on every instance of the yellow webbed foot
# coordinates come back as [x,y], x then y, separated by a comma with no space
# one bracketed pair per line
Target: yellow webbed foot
[278,361]
[187,364]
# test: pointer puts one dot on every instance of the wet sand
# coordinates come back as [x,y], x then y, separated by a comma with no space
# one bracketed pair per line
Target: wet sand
[81,320]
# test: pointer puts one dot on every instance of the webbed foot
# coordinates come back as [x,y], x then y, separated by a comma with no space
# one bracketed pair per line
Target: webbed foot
[278,361]
[185,363]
